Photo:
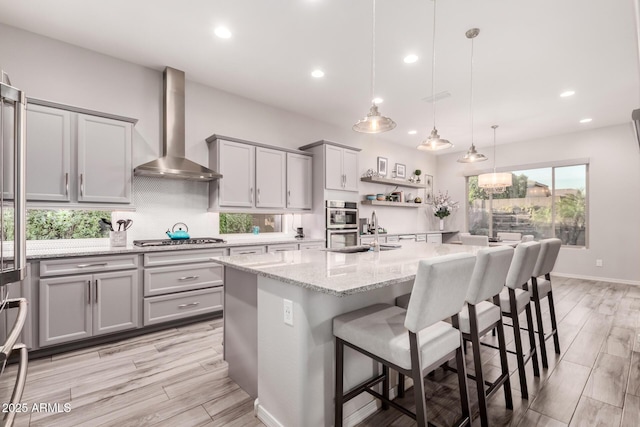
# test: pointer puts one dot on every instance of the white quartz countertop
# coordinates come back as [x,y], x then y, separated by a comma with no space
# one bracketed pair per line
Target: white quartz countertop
[343,274]
[105,249]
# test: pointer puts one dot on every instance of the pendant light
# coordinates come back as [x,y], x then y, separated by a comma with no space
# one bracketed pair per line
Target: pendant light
[374,122]
[434,142]
[472,156]
[495,183]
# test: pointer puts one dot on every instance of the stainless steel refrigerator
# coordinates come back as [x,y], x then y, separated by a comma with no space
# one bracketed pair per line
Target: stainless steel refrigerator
[12,234]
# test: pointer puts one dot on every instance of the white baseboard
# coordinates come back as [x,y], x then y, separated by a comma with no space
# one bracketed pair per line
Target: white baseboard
[598,279]
[264,415]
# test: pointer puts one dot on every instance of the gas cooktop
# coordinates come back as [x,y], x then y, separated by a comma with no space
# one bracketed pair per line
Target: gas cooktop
[169,242]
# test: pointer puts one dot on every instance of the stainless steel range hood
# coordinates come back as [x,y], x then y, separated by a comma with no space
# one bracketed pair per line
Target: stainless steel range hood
[173,164]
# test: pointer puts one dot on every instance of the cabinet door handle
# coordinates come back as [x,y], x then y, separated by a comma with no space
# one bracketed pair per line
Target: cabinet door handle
[88,291]
[191,304]
[96,291]
[251,193]
[95,264]
[258,195]
[66,184]
[288,197]
[246,253]
[188,278]
[82,184]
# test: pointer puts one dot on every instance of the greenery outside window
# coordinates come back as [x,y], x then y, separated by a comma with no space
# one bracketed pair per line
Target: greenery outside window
[233,223]
[46,224]
[545,202]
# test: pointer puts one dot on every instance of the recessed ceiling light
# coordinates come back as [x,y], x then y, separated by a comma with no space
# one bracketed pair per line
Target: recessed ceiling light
[317,73]
[412,132]
[222,32]
[585,120]
[377,100]
[410,59]
[567,93]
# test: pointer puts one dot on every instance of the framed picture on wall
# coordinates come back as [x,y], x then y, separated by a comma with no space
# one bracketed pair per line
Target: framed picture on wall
[382,166]
[401,170]
[428,193]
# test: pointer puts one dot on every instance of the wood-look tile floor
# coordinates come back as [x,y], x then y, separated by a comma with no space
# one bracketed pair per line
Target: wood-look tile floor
[595,381]
[175,377]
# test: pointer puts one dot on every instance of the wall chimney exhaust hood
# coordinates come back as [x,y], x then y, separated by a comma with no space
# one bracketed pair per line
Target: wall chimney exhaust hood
[173,164]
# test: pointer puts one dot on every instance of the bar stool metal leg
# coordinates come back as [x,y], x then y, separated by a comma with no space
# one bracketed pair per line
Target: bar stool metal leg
[339,382]
[418,385]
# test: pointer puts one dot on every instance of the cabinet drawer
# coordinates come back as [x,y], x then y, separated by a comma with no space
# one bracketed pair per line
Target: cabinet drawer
[434,238]
[182,256]
[313,245]
[59,267]
[393,239]
[421,237]
[246,250]
[162,280]
[282,247]
[178,306]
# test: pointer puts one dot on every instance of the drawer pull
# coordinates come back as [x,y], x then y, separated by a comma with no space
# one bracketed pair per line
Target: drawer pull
[188,278]
[95,264]
[191,304]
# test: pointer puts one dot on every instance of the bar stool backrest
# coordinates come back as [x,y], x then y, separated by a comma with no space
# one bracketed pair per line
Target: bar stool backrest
[509,236]
[527,238]
[547,259]
[524,260]
[475,240]
[490,273]
[439,290]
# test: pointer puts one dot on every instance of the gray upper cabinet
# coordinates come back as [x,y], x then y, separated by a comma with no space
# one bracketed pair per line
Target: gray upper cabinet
[237,166]
[341,168]
[271,176]
[104,160]
[258,178]
[48,153]
[299,179]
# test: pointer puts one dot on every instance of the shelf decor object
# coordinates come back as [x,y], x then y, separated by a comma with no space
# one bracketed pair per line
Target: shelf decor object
[382,166]
[374,122]
[472,156]
[434,142]
[495,183]
[401,170]
[428,195]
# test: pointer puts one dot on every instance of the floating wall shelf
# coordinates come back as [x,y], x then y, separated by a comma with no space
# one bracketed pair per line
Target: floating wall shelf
[387,181]
[394,204]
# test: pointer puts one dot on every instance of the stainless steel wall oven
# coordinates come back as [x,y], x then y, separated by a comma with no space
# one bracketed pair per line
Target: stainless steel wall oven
[341,223]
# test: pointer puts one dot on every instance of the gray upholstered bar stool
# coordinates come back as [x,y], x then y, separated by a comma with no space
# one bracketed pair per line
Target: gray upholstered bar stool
[411,341]
[502,235]
[549,249]
[475,240]
[514,300]
[527,238]
[479,316]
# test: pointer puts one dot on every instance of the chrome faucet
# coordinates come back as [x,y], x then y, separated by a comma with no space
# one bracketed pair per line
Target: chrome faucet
[374,223]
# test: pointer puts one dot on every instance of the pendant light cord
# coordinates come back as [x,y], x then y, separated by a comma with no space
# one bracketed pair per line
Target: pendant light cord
[494,147]
[373,53]
[433,65]
[471,104]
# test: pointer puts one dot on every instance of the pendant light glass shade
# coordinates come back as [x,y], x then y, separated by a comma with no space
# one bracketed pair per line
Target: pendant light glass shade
[495,183]
[374,122]
[434,142]
[472,156]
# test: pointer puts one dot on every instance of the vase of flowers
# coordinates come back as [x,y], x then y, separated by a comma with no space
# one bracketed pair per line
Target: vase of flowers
[443,206]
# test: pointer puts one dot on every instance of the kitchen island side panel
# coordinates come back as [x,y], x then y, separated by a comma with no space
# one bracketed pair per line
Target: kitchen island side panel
[296,366]
[241,329]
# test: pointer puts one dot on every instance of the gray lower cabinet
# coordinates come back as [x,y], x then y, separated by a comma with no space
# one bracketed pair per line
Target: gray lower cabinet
[182,284]
[77,307]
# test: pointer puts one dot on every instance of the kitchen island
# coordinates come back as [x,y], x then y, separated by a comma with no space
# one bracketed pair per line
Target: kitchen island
[289,367]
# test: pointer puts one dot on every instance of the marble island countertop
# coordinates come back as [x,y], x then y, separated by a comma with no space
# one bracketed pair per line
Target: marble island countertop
[36,253]
[342,274]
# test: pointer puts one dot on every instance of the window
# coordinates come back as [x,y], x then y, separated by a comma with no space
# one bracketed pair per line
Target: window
[546,202]
[231,223]
[46,224]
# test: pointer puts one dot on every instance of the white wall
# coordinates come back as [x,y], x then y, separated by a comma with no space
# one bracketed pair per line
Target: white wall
[49,69]
[614,195]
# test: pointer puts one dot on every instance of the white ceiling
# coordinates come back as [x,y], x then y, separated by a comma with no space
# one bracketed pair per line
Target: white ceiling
[527,53]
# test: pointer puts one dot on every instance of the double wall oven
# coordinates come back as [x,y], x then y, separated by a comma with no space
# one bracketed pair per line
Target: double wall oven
[341,223]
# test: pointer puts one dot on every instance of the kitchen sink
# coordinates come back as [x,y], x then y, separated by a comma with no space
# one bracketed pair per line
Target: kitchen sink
[362,248]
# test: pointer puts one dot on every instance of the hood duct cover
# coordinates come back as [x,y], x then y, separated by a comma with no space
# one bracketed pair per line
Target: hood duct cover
[635,116]
[173,164]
